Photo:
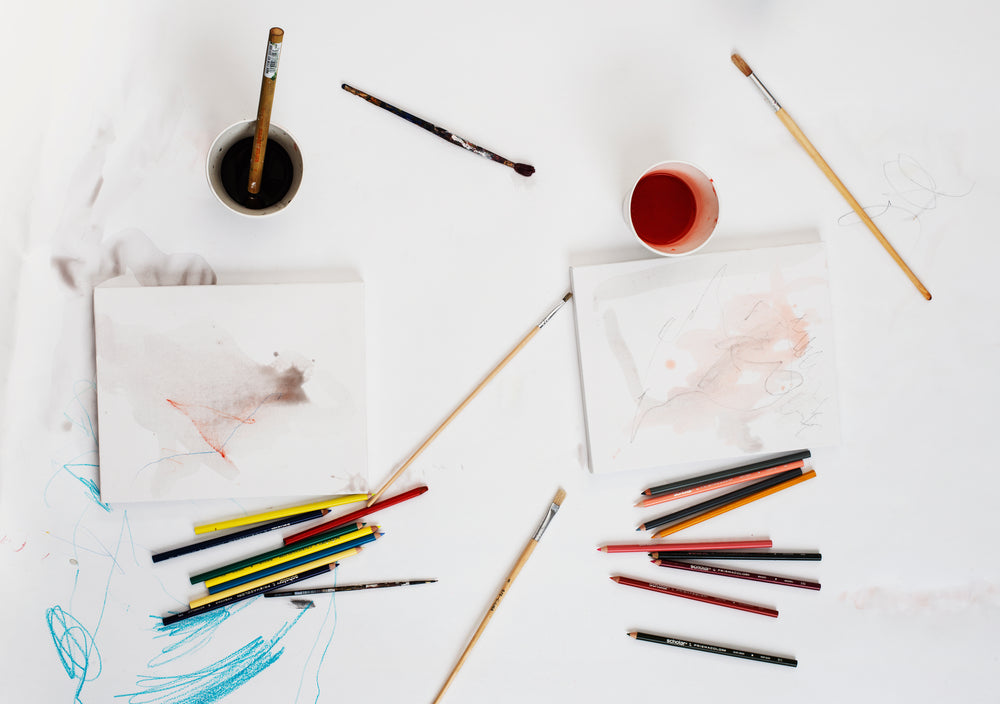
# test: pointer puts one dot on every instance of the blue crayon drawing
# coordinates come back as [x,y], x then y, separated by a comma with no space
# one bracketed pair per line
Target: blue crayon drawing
[216,680]
[75,646]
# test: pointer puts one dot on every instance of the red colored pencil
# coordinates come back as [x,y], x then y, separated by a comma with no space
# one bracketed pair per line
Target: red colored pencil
[704,598]
[721,484]
[354,515]
[738,574]
[669,547]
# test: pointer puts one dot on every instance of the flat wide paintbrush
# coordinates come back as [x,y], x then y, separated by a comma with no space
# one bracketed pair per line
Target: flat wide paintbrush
[825,168]
[274,39]
[523,169]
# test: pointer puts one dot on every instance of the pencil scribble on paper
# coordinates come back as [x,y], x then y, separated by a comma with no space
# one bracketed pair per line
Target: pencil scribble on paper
[913,191]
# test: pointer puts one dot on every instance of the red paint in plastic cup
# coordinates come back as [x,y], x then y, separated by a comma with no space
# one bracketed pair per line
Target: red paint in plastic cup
[672,209]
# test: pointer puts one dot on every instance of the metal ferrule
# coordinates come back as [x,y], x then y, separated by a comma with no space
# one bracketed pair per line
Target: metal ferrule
[545,521]
[548,317]
[766,93]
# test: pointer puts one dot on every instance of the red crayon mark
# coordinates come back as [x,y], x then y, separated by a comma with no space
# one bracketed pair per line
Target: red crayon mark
[22,546]
[213,425]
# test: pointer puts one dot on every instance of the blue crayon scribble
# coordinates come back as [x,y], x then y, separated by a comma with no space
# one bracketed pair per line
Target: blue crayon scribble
[75,647]
[332,606]
[217,680]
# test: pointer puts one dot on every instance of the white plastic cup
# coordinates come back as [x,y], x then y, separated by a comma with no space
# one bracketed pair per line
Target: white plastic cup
[230,136]
[675,206]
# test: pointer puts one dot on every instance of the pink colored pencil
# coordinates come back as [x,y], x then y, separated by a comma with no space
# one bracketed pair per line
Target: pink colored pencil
[681,547]
[695,596]
[721,484]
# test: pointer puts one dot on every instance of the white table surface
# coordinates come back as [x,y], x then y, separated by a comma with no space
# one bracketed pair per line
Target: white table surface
[109,111]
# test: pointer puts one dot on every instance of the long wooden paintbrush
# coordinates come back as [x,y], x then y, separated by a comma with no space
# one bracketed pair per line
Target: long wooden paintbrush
[489,377]
[274,40]
[825,168]
[525,554]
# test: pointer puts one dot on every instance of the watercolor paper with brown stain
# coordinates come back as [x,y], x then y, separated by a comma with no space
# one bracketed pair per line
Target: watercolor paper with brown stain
[231,391]
[707,357]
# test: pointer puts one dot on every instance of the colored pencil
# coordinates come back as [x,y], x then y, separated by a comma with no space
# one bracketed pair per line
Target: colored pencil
[280,513]
[284,550]
[801,138]
[267,572]
[720,484]
[525,554]
[695,596]
[738,574]
[703,479]
[742,502]
[482,384]
[716,501]
[291,556]
[522,169]
[267,580]
[738,555]
[263,589]
[681,547]
[239,535]
[353,516]
[349,588]
[717,649]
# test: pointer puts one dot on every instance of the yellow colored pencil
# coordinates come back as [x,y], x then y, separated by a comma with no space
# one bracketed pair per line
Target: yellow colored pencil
[736,504]
[257,567]
[280,513]
[273,578]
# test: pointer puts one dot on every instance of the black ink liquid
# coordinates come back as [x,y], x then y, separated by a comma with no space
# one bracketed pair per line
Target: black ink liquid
[274,182]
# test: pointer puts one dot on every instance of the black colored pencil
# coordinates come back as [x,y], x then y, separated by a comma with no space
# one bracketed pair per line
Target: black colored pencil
[738,574]
[726,473]
[227,601]
[737,555]
[718,501]
[717,649]
[239,535]
[348,588]
[522,169]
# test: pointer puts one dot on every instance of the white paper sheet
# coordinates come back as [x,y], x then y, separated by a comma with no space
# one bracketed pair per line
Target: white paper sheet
[230,391]
[707,357]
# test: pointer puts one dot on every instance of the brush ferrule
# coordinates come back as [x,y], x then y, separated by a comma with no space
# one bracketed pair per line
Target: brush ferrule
[553,508]
[548,317]
[766,93]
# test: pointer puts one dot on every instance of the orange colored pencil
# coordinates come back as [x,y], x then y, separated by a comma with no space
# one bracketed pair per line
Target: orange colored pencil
[694,520]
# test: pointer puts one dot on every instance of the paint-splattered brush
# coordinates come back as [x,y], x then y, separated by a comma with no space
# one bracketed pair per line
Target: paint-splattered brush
[523,169]
[274,40]
[825,168]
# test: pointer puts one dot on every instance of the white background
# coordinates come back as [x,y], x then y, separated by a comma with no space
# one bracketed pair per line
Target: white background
[109,110]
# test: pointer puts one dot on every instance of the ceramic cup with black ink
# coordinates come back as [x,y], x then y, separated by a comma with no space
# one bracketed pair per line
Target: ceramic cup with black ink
[228,169]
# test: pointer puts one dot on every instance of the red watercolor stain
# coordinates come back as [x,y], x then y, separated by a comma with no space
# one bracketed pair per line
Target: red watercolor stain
[670,364]
[22,546]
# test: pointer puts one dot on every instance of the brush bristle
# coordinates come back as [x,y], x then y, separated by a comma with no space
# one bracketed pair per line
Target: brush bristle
[560,495]
[524,169]
[741,64]
[567,296]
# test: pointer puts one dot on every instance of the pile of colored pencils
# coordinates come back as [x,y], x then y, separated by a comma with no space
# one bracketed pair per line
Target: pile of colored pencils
[303,555]
[746,484]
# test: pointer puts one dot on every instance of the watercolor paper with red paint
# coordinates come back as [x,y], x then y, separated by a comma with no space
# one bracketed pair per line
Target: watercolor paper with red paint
[707,357]
[231,391]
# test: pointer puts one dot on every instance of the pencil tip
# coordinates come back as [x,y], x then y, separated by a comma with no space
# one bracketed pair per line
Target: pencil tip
[524,169]
[615,579]
[633,634]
